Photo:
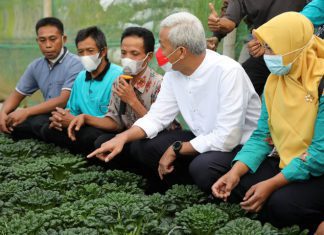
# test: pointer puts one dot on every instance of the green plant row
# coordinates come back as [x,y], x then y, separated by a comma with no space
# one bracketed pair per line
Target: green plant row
[47,190]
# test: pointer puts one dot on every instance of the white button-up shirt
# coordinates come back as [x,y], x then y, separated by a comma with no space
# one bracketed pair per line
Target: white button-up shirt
[218,102]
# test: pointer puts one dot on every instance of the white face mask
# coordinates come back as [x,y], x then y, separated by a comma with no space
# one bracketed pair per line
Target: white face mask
[90,62]
[133,67]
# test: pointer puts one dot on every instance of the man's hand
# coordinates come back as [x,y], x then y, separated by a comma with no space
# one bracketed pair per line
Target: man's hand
[212,43]
[213,19]
[223,187]
[166,162]
[4,123]
[75,125]
[125,91]
[257,195]
[60,119]
[109,149]
[320,229]
[17,117]
[255,48]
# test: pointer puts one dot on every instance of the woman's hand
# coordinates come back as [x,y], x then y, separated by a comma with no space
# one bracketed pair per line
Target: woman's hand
[223,187]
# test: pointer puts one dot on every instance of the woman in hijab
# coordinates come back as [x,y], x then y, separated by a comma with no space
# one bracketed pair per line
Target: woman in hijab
[280,170]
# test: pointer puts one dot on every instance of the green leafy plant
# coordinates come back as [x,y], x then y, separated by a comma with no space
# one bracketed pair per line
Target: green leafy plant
[182,196]
[241,226]
[46,190]
[201,219]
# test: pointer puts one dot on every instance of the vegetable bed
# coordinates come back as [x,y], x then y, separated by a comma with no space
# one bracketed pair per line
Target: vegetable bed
[46,190]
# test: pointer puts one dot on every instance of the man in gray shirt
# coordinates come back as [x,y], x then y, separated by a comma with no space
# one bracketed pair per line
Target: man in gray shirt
[52,74]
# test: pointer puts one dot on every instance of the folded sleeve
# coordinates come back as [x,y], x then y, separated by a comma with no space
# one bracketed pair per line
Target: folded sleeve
[235,11]
[27,84]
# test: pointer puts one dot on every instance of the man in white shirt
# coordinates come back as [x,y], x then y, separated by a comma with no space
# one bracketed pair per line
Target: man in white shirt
[214,96]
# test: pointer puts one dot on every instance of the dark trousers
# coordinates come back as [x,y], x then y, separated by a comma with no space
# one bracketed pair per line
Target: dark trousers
[31,127]
[122,161]
[188,169]
[257,71]
[84,143]
[299,203]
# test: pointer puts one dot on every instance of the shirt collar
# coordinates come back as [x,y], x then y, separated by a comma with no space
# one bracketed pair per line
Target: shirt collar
[100,76]
[141,82]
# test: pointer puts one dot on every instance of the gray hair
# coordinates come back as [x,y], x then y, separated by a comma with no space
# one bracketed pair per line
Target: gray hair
[186,30]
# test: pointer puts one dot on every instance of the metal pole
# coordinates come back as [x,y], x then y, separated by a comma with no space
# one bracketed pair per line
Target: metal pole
[47,8]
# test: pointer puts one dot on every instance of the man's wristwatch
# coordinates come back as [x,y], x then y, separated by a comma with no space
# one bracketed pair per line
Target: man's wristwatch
[176,146]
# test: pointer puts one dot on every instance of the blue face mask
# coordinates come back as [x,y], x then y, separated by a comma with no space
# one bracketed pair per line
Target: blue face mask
[275,64]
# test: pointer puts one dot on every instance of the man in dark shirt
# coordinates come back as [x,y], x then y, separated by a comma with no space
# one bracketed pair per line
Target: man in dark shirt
[255,14]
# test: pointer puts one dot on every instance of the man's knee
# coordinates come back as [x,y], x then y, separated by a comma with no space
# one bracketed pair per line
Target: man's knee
[102,139]
[201,173]
[146,153]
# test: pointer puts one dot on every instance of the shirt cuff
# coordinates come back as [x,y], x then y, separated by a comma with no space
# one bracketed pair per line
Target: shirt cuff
[147,126]
[23,93]
[200,144]
[66,88]
[249,161]
[295,171]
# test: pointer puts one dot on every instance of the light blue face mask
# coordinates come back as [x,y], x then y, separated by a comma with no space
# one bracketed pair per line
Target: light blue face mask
[275,64]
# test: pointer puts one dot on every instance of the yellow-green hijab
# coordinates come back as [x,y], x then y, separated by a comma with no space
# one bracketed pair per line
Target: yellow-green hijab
[292,99]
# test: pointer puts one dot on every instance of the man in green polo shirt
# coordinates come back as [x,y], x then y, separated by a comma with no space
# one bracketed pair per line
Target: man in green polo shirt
[90,93]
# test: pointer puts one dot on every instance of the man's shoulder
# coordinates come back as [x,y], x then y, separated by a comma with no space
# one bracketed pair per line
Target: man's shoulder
[155,75]
[36,62]
[80,78]
[71,59]
[222,62]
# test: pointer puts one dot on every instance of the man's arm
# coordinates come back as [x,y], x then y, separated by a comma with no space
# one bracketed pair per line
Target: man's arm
[111,148]
[50,105]
[12,102]
[106,123]
[21,115]
[226,25]
[8,106]
[221,26]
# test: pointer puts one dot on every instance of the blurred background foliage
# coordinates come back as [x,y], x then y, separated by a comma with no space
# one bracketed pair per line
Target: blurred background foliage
[18,18]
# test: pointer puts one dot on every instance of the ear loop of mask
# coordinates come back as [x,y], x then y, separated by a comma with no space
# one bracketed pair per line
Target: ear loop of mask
[172,54]
[143,67]
[299,49]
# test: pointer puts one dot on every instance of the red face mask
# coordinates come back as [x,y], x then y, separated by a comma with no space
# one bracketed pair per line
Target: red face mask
[163,61]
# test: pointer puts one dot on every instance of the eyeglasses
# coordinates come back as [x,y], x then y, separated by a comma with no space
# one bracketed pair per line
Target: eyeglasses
[267,49]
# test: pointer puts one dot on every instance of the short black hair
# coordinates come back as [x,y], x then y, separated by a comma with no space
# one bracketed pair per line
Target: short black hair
[95,33]
[50,21]
[147,35]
